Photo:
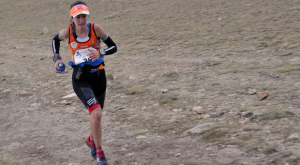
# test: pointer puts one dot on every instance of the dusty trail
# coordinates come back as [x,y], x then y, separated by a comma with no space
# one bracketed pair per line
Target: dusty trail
[180,65]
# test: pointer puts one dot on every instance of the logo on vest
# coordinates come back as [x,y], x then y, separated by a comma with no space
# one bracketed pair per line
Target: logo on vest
[93,43]
[74,45]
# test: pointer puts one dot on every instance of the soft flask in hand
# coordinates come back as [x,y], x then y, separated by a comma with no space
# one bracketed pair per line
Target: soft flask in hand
[61,67]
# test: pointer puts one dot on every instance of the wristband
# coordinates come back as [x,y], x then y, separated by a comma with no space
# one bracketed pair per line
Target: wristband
[102,52]
[56,57]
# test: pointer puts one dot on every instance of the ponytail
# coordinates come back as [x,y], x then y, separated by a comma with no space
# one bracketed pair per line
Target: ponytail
[71,24]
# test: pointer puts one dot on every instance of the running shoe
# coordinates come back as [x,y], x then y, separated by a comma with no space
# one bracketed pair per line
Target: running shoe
[101,159]
[92,147]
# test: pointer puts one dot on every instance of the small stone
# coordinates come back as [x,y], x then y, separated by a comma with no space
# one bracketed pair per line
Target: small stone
[242,121]
[263,95]
[164,91]
[111,16]
[14,145]
[70,95]
[155,105]
[25,94]
[3,79]
[34,105]
[130,154]
[64,102]
[296,8]
[178,154]
[223,56]
[286,53]
[131,77]
[152,75]
[141,137]
[215,115]
[252,91]
[294,136]
[198,110]
[247,114]
[199,128]
[45,31]
[143,108]
[175,110]
[7,91]
[234,112]
[206,116]
[245,121]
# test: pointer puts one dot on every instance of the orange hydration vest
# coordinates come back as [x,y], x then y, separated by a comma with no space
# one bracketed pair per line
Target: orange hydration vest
[93,42]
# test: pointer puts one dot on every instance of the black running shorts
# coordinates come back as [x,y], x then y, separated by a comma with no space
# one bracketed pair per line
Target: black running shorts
[91,90]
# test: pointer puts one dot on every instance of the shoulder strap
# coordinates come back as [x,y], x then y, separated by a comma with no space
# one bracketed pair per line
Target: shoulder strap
[74,31]
[95,32]
[69,34]
[89,26]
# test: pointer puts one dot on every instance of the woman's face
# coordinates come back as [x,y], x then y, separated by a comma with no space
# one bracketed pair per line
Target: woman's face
[80,20]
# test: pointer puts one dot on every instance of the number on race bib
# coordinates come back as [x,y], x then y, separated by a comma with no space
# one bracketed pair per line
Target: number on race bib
[81,56]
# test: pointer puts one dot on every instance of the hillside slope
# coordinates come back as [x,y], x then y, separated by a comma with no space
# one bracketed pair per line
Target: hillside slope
[193,82]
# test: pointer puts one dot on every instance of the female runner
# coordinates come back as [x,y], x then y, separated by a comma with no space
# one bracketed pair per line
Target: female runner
[88,78]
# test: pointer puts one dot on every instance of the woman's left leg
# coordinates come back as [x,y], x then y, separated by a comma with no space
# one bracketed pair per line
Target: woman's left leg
[96,126]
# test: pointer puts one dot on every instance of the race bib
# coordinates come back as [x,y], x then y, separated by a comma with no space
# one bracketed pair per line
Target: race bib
[81,56]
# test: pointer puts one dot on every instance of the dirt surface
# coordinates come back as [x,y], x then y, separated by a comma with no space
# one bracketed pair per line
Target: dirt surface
[194,82]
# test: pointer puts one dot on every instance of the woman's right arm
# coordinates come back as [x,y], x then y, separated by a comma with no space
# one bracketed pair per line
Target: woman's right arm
[62,35]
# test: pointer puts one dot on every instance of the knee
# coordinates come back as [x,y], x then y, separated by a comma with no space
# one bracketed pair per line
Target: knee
[97,114]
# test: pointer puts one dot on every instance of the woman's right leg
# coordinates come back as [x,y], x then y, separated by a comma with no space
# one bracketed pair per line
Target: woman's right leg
[98,83]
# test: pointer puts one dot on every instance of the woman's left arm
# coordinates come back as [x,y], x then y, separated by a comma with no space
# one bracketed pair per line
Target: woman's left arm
[111,46]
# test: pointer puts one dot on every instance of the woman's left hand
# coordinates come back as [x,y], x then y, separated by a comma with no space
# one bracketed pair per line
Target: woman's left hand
[94,54]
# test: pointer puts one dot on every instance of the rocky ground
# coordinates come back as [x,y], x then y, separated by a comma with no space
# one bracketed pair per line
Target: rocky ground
[194,82]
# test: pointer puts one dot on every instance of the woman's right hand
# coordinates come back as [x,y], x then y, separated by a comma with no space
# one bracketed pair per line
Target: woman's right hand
[57,67]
